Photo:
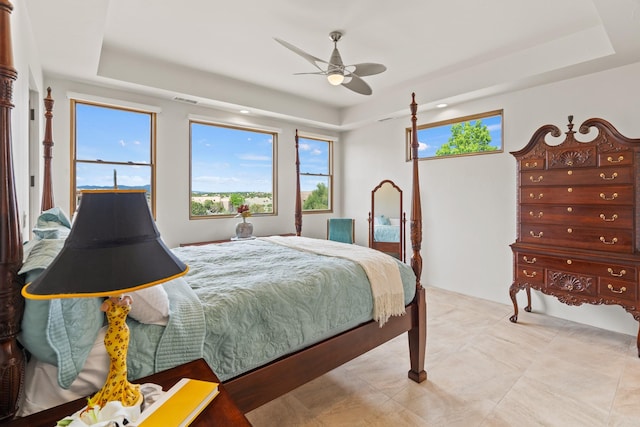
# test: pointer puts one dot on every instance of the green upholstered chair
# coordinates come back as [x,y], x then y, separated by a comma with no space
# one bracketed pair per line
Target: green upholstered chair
[341,230]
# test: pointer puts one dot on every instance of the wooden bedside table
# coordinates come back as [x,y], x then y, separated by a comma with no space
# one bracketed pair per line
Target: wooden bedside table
[222,411]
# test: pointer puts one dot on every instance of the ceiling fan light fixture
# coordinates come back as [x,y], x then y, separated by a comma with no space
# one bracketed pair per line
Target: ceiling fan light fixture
[336,78]
[349,76]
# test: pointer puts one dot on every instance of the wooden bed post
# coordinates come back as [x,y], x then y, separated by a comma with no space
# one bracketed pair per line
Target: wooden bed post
[298,212]
[47,142]
[418,332]
[12,359]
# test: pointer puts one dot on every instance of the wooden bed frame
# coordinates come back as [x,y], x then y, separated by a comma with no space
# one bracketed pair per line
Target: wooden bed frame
[249,390]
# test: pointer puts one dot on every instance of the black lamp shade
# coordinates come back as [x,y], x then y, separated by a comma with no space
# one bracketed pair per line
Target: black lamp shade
[113,247]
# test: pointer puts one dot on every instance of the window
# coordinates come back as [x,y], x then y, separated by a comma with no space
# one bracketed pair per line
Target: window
[316,179]
[112,147]
[476,134]
[231,166]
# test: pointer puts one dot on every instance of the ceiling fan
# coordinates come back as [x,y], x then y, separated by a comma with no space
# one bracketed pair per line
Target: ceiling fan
[349,76]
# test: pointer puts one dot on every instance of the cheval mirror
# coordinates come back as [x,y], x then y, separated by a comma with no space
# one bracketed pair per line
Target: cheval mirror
[387,220]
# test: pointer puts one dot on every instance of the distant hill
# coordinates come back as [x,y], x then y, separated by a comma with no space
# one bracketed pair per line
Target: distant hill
[120,187]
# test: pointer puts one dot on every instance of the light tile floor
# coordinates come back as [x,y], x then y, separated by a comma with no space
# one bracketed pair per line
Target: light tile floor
[482,370]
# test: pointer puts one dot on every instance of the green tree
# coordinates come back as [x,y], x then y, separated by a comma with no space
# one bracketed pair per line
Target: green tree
[318,199]
[218,207]
[198,208]
[467,138]
[236,200]
[213,207]
[256,208]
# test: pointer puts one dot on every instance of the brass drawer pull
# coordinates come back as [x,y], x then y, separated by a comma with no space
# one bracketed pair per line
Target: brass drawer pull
[529,275]
[622,272]
[604,196]
[539,215]
[531,165]
[615,291]
[529,261]
[533,196]
[537,236]
[613,217]
[532,179]
[612,160]
[610,242]
[611,178]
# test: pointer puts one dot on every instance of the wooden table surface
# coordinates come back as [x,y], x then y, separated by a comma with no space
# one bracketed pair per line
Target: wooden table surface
[222,411]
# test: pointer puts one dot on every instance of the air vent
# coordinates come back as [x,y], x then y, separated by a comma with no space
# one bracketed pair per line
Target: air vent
[188,101]
[385,119]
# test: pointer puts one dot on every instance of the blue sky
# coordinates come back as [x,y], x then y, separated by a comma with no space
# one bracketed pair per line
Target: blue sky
[223,159]
[115,135]
[314,158]
[229,160]
[430,139]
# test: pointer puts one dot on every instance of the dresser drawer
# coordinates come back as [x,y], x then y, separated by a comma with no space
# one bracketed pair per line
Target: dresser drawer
[587,176]
[532,164]
[572,282]
[615,159]
[595,216]
[568,195]
[527,274]
[614,270]
[617,289]
[601,239]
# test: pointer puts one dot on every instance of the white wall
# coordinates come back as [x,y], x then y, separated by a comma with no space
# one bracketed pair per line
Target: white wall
[469,203]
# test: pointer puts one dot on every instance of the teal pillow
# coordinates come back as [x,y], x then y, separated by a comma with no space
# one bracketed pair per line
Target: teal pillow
[33,334]
[61,332]
[58,331]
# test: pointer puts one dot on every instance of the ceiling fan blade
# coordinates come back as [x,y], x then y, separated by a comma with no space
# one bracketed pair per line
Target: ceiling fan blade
[368,69]
[312,59]
[358,85]
[310,72]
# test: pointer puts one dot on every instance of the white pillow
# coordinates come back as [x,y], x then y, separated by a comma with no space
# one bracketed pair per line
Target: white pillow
[394,221]
[150,305]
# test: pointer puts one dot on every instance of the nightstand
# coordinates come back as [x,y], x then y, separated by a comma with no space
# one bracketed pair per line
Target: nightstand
[222,411]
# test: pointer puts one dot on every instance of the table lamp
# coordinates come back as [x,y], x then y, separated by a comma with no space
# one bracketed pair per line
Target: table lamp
[113,247]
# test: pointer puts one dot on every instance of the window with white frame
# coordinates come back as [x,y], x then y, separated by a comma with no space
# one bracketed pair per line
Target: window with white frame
[231,166]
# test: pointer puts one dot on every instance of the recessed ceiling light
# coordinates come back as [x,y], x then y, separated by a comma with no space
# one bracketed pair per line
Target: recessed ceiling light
[245,111]
[441,105]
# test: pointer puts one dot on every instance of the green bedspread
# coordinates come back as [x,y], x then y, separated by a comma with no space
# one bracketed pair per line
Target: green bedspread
[241,305]
[262,301]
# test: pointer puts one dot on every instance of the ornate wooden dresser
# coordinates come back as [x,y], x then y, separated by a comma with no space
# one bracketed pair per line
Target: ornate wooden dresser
[579,218]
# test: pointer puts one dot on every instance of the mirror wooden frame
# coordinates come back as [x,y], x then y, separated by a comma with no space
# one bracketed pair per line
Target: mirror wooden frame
[395,249]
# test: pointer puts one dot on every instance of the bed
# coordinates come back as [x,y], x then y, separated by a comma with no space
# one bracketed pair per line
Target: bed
[255,382]
[386,232]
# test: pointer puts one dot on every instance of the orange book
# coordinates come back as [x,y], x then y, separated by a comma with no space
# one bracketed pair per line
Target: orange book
[180,405]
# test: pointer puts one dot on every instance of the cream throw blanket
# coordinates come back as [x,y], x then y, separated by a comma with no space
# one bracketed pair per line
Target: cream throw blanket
[381,269]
